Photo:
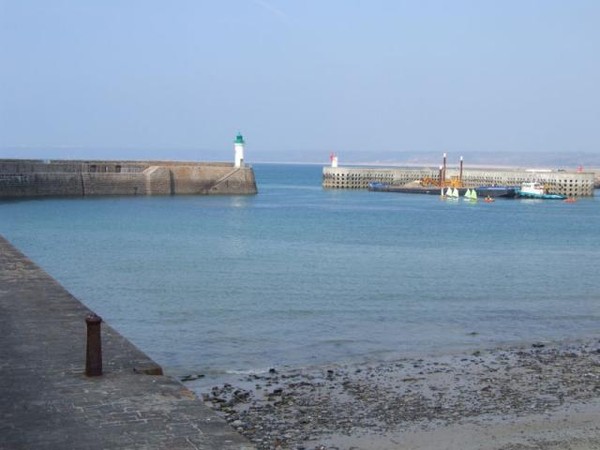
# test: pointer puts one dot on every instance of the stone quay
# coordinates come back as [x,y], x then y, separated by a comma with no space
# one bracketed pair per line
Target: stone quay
[48,401]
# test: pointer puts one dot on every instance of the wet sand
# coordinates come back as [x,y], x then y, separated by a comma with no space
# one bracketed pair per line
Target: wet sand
[542,396]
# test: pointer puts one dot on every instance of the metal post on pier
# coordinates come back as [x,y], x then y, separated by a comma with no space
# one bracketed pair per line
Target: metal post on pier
[93,357]
[444,171]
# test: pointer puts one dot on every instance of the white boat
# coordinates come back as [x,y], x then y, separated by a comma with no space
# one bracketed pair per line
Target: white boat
[451,193]
[470,195]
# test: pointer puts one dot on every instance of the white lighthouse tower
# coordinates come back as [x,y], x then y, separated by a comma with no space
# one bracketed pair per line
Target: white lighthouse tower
[334,160]
[238,147]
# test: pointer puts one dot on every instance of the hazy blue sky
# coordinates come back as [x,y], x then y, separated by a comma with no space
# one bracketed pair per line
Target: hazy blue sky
[177,79]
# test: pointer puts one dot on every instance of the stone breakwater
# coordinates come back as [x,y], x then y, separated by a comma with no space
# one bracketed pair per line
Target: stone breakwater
[33,178]
[569,183]
[546,396]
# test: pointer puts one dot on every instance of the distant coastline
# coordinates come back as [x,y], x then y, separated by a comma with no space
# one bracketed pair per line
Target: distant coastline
[512,160]
[310,156]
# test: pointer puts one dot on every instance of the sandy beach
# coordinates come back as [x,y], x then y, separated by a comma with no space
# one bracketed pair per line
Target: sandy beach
[539,396]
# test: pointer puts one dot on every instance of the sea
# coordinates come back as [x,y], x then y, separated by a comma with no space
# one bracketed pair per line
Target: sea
[300,276]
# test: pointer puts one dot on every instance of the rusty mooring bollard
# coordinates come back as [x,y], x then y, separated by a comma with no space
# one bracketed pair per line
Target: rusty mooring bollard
[93,357]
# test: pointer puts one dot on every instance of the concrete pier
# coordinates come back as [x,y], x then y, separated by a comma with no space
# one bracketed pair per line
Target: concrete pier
[47,401]
[571,184]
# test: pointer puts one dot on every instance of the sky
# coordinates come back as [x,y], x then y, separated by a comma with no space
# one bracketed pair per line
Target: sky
[369,80]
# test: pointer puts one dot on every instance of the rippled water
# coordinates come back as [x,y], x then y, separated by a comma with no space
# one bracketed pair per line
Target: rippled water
[298,275]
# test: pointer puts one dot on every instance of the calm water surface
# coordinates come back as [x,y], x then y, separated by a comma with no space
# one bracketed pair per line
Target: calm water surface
[298,275]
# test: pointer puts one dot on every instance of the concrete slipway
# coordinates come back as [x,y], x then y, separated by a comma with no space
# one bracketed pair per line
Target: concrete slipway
[46,400]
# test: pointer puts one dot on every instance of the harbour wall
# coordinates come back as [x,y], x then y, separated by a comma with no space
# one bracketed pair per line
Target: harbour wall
[49,403]
[572,184]
[34,178]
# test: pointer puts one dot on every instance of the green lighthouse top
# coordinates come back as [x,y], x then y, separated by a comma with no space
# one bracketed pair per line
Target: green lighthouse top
[239,139]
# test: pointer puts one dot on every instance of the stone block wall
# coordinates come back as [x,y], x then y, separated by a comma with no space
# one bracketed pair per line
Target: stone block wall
[196,179]
[235,181]
[38,184]
[112,184]
[158,181]
[26,178]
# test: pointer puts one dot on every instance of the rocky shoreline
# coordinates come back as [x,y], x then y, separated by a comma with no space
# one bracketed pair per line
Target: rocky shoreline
[374,406]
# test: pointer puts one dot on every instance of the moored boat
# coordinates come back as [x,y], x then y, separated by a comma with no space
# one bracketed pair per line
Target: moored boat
[377,186]
[497,191]
[481,191]
[537,190]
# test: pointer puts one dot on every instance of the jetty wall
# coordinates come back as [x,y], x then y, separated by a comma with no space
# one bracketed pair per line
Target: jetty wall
[49,403]
[34,178]
[572,184]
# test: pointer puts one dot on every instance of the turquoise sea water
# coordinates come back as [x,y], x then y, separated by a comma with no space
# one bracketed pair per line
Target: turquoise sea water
[298,275]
